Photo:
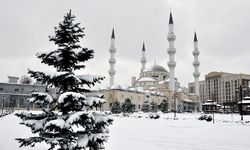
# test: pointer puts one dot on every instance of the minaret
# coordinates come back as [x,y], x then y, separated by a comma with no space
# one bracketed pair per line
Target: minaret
[112,59]
[196,65]
[143,58]
[171,53]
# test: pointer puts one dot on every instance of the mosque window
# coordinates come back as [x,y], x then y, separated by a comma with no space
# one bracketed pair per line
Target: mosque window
[14,101]
[21,102]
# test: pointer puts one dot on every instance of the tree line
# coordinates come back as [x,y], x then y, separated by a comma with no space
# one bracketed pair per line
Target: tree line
[128,107]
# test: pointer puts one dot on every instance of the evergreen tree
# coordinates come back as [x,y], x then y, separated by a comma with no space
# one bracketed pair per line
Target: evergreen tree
[127,106]
[145,107]
[164,106]
[56,124]
[116,107]
[153,107]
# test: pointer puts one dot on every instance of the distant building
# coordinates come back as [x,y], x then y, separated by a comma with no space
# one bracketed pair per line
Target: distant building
[202,90]
[13,94]
[137,96]
[221,87]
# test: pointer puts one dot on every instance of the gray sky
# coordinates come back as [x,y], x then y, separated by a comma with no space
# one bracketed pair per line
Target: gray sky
[222,26]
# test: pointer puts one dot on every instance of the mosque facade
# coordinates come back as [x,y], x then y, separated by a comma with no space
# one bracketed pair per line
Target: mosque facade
[155,83]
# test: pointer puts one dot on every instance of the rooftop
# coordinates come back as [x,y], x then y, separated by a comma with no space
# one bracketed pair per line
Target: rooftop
[155,68]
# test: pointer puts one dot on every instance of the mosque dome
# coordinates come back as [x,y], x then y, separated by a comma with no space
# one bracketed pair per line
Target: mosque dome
[155,68]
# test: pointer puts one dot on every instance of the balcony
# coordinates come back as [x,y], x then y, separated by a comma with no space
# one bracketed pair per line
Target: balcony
[112,60]
[171,37]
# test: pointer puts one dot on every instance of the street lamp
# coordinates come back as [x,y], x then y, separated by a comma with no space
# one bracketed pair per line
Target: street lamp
[3,104]
[175,106]
[241,89]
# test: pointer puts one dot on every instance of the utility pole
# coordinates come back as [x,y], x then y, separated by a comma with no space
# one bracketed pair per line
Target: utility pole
[174,105]
[241,98]
[3,104]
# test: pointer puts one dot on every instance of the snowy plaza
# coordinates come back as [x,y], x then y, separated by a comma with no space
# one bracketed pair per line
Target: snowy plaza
[138,132]
[124,75]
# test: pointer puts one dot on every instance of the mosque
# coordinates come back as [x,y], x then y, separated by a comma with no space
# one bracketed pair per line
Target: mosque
[155,83]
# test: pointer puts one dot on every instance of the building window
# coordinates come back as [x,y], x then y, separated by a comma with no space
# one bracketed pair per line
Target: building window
[1,89]
[16,90]
[228,91]
[139,106]
[14,102]
[21,102]
[235,84]
[110,104]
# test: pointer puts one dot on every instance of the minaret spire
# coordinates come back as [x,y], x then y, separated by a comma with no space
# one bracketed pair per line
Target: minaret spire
[195,37]
[171,52]
[171,18]
[112,59]
[143,46]
[143,58]
[196,65]
[113,34]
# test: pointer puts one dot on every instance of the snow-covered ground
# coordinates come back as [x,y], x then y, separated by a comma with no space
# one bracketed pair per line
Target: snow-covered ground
[138,132]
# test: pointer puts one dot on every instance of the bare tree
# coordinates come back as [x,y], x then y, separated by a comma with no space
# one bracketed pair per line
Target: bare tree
[25,79]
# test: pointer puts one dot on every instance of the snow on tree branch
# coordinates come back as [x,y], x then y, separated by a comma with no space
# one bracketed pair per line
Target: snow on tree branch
[75,97]
[39,98]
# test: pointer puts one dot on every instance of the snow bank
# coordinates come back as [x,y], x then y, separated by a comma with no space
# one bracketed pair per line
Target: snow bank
[133,133]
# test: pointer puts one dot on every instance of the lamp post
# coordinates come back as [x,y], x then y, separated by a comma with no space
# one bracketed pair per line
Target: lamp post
[175,106]
[3,104]
[214,107]
[241,98]
[240,89]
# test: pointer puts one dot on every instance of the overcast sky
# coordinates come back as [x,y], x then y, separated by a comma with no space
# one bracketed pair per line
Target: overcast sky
[222,26]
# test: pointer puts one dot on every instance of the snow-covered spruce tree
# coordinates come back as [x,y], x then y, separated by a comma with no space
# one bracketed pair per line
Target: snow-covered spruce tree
[66,124]
[164,106]
[145,107]
[127,106]
[153,107]
[116,107]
